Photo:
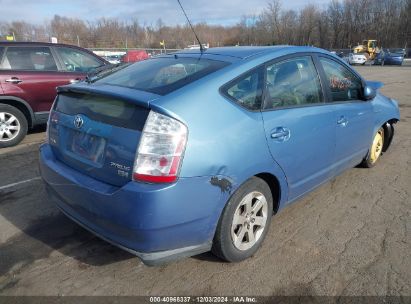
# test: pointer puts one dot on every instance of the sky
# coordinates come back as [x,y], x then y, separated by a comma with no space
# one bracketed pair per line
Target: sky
[225,12]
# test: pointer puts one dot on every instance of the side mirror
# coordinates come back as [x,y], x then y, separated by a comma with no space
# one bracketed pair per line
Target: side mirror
[369,93]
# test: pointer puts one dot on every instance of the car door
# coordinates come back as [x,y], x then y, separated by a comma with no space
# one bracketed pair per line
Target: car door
[353,116]
[299,126]
[31,73]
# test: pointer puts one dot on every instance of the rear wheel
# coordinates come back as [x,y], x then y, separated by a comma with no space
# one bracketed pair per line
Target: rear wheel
[13,126]
[244,222]
[375,149]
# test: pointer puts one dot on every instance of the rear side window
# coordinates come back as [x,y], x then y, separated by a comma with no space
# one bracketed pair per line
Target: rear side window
[246,90]
[163,75]
[28,59]
[103,109]
[344,85]
[77,61]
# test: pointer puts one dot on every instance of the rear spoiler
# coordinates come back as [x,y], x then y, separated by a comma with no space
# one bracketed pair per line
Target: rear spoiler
[140,98]
[374,84]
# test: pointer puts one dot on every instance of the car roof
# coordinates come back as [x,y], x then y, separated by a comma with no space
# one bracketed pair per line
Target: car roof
[20,43]
[235,51]
[248,52]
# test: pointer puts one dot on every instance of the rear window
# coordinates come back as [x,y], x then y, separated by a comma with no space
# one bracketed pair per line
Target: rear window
[103,109]
[163,75]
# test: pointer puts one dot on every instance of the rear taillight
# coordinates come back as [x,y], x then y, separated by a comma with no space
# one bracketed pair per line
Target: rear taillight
[161,149]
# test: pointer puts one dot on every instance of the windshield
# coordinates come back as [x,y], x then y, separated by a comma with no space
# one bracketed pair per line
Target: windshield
[397,51]
[163,75]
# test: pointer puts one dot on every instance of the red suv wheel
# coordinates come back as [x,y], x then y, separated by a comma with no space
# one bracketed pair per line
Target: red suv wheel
[13,126]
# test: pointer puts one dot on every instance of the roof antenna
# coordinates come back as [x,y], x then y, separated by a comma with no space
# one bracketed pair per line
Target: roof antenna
[198,40]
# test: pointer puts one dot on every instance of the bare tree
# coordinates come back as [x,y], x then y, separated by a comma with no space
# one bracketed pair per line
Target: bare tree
[342,24]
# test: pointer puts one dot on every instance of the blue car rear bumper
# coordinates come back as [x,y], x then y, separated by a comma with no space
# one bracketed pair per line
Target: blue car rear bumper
[156,222]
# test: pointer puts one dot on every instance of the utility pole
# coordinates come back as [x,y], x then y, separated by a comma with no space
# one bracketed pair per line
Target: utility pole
[78,41]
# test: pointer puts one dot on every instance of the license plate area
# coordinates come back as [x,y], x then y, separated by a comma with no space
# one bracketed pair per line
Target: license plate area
[86,146]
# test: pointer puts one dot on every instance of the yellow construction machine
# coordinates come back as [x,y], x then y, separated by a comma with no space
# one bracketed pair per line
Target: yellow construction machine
[368,47]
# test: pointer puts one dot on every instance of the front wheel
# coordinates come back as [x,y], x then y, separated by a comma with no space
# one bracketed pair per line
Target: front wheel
[13,126]
[244,222]
[375,150]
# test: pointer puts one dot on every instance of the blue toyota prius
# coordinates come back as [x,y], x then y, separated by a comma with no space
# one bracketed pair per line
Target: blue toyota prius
[195,151]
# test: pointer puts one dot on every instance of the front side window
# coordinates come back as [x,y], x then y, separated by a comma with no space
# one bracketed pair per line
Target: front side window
[77,61]
[28,59]
[246,90]
[344,85]
[293,82]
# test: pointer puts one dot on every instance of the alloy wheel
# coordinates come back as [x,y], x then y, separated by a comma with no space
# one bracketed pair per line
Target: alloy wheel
[9,126]
[249,220]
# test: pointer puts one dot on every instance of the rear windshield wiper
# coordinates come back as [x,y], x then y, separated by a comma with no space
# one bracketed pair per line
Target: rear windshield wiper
[105,70]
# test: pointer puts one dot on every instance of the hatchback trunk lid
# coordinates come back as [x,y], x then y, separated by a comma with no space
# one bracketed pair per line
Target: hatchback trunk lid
[98,134]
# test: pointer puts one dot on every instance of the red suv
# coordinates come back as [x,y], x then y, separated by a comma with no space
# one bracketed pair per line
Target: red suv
[29,75]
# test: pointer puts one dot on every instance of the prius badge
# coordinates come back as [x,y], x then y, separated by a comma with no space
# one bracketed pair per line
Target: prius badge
[78,121]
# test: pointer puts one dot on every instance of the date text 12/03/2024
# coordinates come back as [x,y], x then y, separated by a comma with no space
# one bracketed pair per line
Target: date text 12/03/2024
[204,299]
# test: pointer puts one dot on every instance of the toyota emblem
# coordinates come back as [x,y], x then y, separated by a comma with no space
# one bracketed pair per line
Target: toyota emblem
[78,121]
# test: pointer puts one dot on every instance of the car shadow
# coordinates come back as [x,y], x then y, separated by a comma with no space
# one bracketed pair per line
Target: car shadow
[43,229]
[38,129]
[209,257]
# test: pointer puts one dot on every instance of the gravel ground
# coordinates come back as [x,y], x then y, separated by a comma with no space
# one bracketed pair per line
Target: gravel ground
[351,236]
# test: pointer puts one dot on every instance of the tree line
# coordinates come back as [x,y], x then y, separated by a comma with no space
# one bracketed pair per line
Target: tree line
[339,25]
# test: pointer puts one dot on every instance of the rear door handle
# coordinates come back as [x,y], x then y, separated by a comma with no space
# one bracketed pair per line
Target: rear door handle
[14,80]
[280,134]
[342,121]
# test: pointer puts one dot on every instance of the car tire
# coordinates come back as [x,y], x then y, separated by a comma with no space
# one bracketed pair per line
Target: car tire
[375,150]
[13,126]
[244,222]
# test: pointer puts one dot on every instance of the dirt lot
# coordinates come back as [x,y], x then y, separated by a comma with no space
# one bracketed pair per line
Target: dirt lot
[349,237]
